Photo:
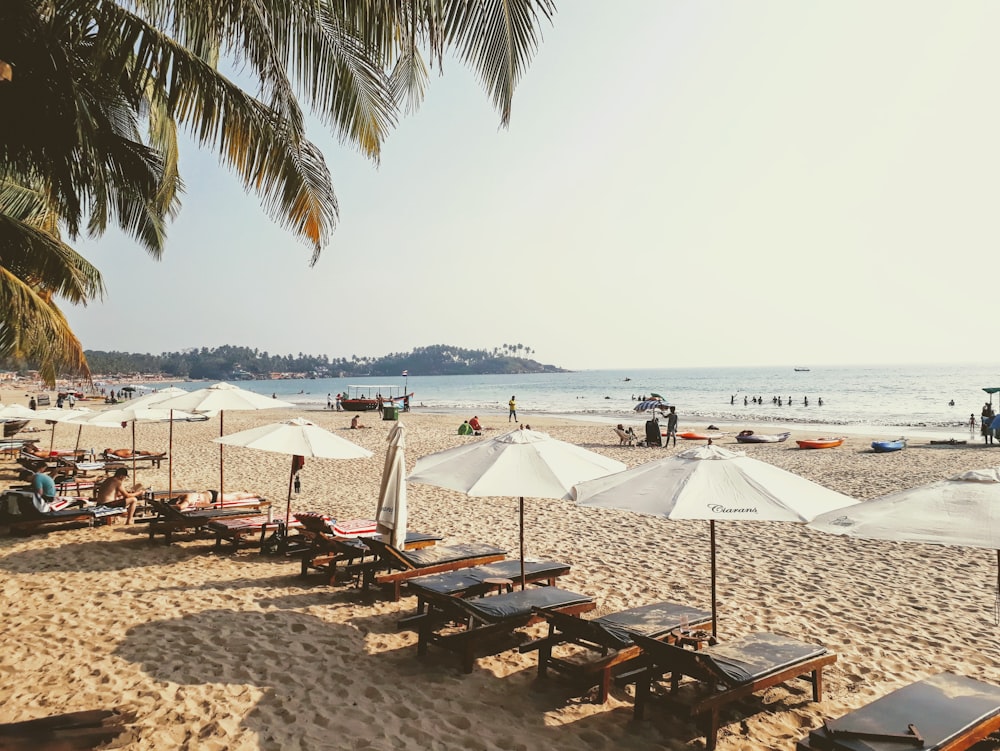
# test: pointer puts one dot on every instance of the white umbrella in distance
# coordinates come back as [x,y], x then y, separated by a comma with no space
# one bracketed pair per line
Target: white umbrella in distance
[391,514]
[963,511]
[152,400]
[713,483]
[300,438]
[524,463]
[218,398]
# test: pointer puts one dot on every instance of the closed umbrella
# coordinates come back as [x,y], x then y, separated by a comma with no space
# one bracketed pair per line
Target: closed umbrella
[301,439]
[963,510]
[219,398]
[712,483]
[521,463]
[391,515]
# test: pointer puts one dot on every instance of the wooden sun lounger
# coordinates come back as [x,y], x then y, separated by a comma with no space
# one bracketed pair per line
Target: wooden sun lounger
[727,672]
[611,637]
[401,565]
[484,617]
[126,461]
[476,581]
[73,730]
[342,555]
[19,515]
[170,520]
[945,712]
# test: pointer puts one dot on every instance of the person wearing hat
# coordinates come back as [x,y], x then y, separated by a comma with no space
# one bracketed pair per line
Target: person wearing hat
[111,492]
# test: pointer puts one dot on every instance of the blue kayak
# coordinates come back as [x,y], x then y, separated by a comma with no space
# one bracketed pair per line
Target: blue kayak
[884,447]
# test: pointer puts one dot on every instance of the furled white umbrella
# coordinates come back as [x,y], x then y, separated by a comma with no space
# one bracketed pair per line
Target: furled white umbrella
[963,511]
[713,483]
[523,463]
[300,438]
[391,515]
[221,397]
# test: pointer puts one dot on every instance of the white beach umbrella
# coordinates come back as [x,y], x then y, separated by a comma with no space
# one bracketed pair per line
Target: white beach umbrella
[523,463]
[151,400]
[963,511]
[300,438]
[713,483]
[391,515]
[221,397]
[132,413]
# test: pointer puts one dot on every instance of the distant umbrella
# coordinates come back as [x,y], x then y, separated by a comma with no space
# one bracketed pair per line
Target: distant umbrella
[650,404]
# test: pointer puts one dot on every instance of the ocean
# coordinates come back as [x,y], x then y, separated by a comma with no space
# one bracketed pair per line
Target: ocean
[900,399]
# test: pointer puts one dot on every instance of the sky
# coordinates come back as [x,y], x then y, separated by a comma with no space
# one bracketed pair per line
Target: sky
[683,184]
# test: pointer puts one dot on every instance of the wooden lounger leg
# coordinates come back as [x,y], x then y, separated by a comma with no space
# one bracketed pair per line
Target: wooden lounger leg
[642,689]
[712,729]
[604,687]
[544,655]
[817,682]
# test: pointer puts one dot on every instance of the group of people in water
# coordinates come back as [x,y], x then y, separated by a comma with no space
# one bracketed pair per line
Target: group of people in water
[776,400]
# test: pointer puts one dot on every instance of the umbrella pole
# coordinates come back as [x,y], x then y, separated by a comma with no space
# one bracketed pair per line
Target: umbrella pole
[221,489]
[170,458]
[133,452]
[523,582]
[52,438]
[288,505]
[79,430]
[715,629]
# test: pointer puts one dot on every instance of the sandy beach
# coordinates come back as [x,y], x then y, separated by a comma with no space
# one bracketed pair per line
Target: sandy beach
[234,651]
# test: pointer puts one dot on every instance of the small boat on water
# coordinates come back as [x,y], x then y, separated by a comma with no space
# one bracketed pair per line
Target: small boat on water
[748,436]
[801,370]
[820,443]
[369,398]
[884,447]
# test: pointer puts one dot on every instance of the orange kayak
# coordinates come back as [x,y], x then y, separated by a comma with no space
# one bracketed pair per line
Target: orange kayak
[690,435]
[820,443]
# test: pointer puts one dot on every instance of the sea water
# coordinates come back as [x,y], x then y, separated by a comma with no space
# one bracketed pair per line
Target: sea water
[883,397]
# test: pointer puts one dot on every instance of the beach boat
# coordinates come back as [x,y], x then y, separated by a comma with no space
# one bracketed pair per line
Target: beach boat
[748,436]
[820,443]
[691,435]
[801,370]
[884,447]
[367,398]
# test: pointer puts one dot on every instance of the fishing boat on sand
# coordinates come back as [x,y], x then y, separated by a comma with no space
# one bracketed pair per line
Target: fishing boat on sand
[369,398]
[748,436]
[884,447]
[820,443]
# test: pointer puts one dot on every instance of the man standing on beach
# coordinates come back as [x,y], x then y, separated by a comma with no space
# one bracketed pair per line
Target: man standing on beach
[512,405]
[671,426]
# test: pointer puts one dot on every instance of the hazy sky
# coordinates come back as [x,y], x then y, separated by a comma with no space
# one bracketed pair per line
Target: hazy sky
[683,183]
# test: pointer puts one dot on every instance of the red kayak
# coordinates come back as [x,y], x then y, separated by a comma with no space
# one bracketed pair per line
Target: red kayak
[820,443]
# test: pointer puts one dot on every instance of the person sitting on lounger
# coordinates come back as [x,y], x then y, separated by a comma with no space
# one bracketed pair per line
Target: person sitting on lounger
[111,492]
[356,423]
[209,498]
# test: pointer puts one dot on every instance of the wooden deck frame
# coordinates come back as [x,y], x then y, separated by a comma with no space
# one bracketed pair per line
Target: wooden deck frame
[716,688]
[170,520]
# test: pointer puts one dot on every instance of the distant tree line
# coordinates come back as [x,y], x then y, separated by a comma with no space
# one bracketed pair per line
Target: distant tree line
[236,363]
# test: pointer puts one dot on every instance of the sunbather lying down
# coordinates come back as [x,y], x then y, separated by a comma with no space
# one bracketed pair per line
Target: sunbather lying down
[125,453]
[208,498]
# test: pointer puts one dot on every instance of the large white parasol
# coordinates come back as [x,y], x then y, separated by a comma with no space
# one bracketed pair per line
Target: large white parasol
[218,398]
[300,438]
[963,510]
[521,463]
[713,483]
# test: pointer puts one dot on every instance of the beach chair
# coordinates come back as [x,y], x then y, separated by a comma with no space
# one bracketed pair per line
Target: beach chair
[19,514]
[945,712]
[169,520]
[480,580]
[73,730]
[337,549]
[398,566]
[611,637]
[624,437]
[482,618]
[125,457]
[727,672]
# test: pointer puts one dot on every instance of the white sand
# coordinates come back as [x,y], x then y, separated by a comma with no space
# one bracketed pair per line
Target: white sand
[222,651]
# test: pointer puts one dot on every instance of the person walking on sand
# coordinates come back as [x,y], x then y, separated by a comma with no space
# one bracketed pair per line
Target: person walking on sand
[671,426]
[512,406]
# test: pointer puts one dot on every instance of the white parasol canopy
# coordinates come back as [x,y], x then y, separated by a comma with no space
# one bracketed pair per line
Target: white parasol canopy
[300,438]
[520,463]
[963,510]
[220,397]
[713,483]
[391,515]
